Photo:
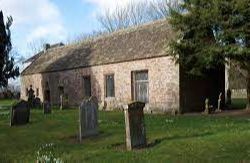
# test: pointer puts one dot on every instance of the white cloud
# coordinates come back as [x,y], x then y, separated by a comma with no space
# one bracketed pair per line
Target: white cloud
[108,4]
[51,32]
[102,5]
[38,19]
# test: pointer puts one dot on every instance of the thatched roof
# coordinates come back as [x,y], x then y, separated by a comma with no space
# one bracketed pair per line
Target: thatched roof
[34,57]
[142,42]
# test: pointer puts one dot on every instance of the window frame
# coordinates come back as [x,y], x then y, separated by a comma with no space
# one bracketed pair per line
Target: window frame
[105,85]
[134,82]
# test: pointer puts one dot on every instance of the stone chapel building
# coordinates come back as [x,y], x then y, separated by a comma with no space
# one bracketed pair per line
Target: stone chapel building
[124,66]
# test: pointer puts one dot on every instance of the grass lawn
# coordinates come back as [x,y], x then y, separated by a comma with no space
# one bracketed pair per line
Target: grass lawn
[5,105]
[171,139]
[6,102]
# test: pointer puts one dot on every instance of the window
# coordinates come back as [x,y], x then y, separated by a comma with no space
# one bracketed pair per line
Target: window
[140,86]
[86,86]
[37,92]
[110,85]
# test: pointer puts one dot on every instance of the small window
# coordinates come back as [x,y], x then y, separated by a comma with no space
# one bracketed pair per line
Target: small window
[37,92]
[86,86]
[110,85]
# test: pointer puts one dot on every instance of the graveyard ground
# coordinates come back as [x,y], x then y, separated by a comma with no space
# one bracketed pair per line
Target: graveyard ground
[175,139]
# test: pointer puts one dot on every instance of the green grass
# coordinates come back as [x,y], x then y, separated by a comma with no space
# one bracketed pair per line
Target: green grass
[6,102]
[5,105]
[171,139]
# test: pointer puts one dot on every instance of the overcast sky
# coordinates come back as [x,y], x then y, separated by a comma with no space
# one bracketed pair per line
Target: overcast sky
[53,20]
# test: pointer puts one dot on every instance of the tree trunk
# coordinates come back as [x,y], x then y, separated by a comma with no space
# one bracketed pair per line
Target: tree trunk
[248,89]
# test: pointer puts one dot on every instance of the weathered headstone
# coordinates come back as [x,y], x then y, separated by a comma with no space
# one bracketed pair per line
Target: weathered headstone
[207,107]
[61,102]
[20,113]
[219,103]
[135,126]
[88,118]
[46,107]
[31,97]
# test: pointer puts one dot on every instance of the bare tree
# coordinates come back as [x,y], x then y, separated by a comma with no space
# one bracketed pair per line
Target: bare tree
[84,37]
[161,9]
[135,14]
[17,56]
[36,46]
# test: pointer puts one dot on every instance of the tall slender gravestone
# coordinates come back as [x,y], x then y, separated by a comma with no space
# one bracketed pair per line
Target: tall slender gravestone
[219,103]
[61,102]
[88,118]
[135,126]
[20,113]
[206,111]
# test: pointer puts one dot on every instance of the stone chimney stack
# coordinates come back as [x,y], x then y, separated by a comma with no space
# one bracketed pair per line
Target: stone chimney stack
[46,47]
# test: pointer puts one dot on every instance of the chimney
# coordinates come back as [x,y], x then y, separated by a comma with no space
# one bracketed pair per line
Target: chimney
[46,47]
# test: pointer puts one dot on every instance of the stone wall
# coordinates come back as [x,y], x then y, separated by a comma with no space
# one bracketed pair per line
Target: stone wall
[163,80]
[34,80]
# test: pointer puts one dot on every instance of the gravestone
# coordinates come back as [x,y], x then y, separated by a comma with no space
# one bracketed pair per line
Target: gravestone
[135,126]
[88,114]
[37,102]
[31,97]
[46,107]
[219,103]
[20,113]
[61,102]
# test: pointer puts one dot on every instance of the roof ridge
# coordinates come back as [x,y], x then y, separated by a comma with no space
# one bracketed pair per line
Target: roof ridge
[120,31]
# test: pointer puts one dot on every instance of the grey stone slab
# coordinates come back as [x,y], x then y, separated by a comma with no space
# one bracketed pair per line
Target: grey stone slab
[88,118]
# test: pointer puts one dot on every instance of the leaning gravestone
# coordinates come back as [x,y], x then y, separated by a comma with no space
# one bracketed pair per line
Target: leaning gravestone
[20,113]
[135,126]
[46,107]
[88,122]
